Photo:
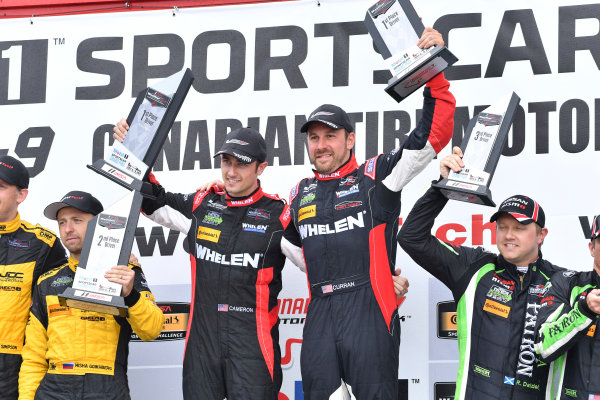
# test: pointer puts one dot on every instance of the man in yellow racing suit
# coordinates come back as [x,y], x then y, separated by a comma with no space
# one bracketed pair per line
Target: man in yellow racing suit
[76,354]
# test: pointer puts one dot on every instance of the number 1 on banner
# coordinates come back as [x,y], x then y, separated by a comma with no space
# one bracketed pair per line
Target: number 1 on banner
[14,54]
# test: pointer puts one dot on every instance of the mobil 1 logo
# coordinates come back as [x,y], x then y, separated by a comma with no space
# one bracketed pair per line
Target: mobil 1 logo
[23,71]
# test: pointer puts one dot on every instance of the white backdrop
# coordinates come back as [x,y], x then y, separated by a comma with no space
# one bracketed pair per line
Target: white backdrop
[64,80]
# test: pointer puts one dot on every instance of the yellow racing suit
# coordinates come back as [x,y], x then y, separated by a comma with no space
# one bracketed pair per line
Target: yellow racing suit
[26,252]
[76,354]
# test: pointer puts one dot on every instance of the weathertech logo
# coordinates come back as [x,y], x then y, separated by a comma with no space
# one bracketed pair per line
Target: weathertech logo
[496,308]
[212,235]
[307,212]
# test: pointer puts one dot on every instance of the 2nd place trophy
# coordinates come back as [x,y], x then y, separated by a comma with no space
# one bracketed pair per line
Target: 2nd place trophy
[109,236]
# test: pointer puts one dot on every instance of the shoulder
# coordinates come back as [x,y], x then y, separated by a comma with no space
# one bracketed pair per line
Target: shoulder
[300,187]
[48,276]
[41,233]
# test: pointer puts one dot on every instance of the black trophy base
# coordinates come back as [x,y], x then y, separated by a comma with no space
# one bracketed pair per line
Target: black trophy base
[404,84]
[92,301]
[467,192]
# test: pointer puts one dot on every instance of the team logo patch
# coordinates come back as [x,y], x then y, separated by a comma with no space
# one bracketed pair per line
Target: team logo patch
[259,213]
[496,308]
[18,244]
[212,235]
[307,198]
[499,293]
[347,181]
[307,212]
[309,188]
[61,281]
[213,218]
[216,205]
[254,228]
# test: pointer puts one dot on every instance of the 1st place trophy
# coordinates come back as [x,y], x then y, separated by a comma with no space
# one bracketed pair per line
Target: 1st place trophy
[109,236]
[395,29]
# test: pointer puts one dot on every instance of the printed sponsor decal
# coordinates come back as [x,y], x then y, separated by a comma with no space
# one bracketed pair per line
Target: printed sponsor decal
[242,157]
[347,181]
[212,235]
[447,320]
[335,174]
[307,212]
[92,295]
[18,244]
[55,310]
[112,221]
[347,204]
[157,99]
[11,276]
[496,308]
[309,188]
[370,168]
[176,321]
[117,174]
[342,193]
[237,141]
[236,259]
[487,119]
[341,225]
[259,213]
[592,331]
[212,218]
[216,205]
[307,198]
[481,371]
[61,281]
[254,228]
[499,293]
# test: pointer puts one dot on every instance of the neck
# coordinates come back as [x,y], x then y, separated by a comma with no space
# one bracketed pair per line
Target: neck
[8,217]
[75,256]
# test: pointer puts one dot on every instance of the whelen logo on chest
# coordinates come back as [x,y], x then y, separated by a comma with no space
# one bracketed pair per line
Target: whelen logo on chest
[341,225]
[238,260]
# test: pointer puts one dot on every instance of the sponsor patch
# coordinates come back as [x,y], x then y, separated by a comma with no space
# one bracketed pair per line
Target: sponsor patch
[61,281]
[237,141]
[307,212]
[343,193]
[54,310]
[307,198]
[347,204]
[212,235]
[212,218]
[259,213]
[309,188]
[370,168]
[18,244]
[216,205]
[347,181]
[496,308]
[254,228]
[568,274]
[481,371]
[591,331]
[499,293]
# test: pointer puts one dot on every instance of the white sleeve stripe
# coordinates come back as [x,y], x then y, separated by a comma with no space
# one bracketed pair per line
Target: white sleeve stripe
[409,166]
[293,253]
[172,219]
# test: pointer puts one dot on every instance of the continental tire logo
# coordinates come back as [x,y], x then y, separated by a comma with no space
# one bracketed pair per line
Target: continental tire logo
[307,212]
[212,235]
[496,308]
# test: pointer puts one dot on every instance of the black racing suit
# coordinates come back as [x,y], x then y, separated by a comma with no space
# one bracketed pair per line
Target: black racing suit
[26,251]
[568,334]
[496,309]
[73,354]
[347,223]
[232,347]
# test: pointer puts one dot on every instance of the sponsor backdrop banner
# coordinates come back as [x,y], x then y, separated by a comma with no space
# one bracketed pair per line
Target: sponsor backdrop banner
[65,80]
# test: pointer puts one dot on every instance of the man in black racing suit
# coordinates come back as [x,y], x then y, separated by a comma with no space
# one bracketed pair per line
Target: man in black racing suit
[567,327]
[497,296]
[346,220]
[237,255]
